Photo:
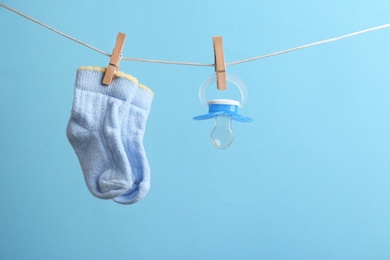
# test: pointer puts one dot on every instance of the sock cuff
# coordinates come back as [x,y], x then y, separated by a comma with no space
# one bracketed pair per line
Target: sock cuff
[143,98]
[123,85]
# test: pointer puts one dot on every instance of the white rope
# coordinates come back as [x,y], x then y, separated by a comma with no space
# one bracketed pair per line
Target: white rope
[55,30]
[169,62]
[195,63]
[311,44]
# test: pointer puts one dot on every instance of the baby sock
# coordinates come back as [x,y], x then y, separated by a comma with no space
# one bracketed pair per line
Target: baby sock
[95,131]
[133,134]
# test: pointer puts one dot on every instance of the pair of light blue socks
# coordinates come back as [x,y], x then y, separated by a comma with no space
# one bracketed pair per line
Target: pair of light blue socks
[106,130]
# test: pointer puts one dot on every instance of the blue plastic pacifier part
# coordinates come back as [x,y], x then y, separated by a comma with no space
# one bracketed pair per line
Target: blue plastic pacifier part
[224,107]
[223,111]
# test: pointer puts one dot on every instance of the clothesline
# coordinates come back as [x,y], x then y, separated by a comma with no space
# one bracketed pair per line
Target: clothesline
[195,63]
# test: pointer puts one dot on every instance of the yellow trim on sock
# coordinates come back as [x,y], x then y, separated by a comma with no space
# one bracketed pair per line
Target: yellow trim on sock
[118,74]
[145,87]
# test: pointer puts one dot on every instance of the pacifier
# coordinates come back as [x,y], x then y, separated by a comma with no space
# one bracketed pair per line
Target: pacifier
[223,111]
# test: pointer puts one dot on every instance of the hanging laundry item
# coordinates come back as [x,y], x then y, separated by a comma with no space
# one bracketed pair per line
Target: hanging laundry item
[106,130]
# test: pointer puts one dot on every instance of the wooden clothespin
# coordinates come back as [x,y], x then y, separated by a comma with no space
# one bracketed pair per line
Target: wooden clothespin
[115,59]
[219,64]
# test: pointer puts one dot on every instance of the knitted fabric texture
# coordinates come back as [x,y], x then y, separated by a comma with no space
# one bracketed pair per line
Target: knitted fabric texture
[106,130]
[134,127]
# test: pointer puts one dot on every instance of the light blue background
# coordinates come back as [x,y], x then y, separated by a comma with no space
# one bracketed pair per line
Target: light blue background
[308,179]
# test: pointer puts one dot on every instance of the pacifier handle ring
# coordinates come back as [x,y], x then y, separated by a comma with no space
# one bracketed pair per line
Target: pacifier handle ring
[229,78]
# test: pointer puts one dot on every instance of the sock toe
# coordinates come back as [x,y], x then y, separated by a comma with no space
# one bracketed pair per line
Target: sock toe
[112,184]
[134,194]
